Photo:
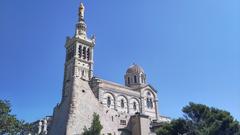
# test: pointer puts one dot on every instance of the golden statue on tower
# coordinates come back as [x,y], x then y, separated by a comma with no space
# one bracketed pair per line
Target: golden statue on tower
[81,11]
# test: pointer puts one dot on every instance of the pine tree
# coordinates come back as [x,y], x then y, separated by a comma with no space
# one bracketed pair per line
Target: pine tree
[201,120]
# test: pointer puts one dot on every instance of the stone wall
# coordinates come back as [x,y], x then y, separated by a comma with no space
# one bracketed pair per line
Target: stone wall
[75,113]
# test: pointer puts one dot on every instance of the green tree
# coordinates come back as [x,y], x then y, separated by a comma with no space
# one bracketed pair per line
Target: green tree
[201,120]
[9,124]
[95,128]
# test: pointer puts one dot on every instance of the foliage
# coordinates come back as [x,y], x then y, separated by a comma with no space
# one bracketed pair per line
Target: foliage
[9,124]
[95,128]
[201,120]
[27,128]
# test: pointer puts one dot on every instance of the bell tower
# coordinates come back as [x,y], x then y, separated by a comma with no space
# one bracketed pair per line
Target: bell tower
[78,71]
[79,55]
[79,52]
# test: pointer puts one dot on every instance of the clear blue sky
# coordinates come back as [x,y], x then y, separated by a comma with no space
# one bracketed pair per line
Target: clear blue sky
[189,49]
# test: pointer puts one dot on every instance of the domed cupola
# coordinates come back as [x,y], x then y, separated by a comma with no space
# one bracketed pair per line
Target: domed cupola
[135,76]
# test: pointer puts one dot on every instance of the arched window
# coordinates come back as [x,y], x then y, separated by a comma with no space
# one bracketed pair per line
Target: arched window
[80,51]
[88,54]
[142,78]
[135,79]
[134,106]
[149,101]
[128,80]
[122,103]
[84,52]
[108,101]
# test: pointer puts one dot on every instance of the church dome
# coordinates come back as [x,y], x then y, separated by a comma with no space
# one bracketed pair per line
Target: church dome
[135,69]
[135,76]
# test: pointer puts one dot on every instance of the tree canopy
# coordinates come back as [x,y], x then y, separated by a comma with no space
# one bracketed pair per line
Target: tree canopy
[200,119]
[9,124]
[95,128]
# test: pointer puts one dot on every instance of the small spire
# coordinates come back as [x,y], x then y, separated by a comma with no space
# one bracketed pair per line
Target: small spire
[81,12]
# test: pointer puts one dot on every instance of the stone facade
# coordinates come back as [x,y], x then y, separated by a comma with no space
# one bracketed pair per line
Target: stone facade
[123,109]
[123,99]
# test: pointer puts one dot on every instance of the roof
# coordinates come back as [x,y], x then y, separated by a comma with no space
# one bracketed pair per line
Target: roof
[135,69]
[125,87]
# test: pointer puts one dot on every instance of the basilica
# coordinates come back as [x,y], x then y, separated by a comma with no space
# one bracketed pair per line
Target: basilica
[129,109]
